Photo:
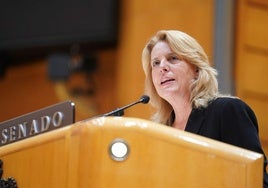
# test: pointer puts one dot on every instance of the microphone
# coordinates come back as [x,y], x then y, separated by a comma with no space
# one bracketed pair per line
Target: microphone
[120,111]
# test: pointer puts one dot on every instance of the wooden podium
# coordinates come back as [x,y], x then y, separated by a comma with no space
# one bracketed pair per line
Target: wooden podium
[128,152]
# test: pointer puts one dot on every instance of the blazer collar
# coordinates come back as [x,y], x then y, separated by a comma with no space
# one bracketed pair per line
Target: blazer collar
[195,120]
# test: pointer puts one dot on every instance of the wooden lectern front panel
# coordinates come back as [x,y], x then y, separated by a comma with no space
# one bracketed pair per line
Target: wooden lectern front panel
[128,152]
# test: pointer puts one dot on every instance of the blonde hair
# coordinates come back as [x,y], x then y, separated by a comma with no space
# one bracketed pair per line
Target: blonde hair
[203,89]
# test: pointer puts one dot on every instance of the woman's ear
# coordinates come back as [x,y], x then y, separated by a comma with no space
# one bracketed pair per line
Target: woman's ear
[196,73]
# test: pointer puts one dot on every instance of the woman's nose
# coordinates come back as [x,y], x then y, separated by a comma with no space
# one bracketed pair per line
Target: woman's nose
[164,66]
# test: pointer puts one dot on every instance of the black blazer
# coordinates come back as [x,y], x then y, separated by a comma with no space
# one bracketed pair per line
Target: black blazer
[228,120]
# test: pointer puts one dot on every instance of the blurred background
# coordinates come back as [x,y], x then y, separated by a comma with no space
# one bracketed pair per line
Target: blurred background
[90,51]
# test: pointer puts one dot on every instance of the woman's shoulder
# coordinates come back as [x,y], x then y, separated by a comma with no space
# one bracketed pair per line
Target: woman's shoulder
[230,106]
[228,100]
[229,103]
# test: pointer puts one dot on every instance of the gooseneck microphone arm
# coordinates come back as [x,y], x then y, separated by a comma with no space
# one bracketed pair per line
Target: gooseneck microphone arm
[120,111]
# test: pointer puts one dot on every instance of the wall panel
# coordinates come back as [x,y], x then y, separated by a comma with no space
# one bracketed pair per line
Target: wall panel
[252,59]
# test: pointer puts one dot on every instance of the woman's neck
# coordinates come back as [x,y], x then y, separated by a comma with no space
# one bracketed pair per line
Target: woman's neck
[182,112]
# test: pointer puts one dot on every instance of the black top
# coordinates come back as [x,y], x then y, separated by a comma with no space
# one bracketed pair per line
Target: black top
[229,120]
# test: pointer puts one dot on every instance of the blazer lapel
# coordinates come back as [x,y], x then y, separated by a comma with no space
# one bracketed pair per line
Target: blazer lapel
[195,121]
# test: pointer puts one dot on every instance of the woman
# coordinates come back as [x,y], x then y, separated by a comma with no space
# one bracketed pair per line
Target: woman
[184,91]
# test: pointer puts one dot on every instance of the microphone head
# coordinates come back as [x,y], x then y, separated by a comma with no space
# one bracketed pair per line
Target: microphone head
[144,99]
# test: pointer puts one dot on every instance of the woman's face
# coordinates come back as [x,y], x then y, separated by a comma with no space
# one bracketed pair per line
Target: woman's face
[171,75]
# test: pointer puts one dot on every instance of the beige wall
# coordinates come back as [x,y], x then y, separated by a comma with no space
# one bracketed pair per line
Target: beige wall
[252,60]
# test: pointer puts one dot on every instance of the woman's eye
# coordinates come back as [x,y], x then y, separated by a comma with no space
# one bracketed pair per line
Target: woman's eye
[174,58]
[155,63]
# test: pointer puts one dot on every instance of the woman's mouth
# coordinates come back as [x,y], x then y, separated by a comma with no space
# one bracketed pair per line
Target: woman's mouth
[166,81]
